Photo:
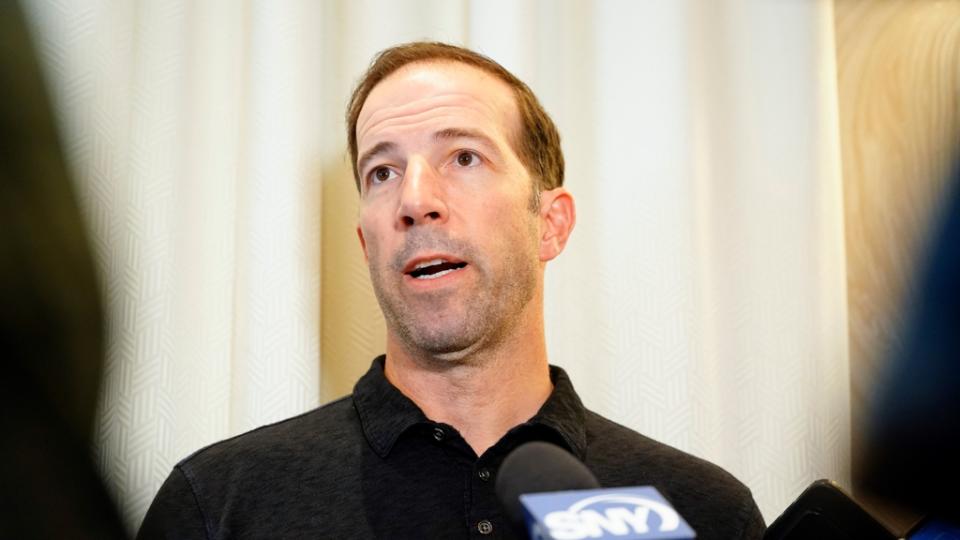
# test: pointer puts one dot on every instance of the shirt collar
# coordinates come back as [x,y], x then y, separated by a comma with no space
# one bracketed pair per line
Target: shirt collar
[564,413]
[385,413]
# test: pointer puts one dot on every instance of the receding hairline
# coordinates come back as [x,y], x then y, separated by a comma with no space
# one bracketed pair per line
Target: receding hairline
[513,116]
[536,140]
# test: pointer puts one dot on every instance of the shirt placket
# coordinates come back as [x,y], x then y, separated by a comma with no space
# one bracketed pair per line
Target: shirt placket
[484,514]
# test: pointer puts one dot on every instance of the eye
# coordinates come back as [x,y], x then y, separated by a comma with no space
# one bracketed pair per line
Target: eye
[466,158]
[381,175]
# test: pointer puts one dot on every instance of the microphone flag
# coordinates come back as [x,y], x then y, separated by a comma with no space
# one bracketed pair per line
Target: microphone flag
[639,513]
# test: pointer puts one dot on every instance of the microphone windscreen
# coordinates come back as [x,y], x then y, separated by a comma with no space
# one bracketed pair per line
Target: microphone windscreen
[537,467]
[823,511]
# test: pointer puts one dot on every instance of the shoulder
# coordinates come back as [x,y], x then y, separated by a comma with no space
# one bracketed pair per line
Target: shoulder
[319,434]
[316,424]
[221,488]
[716,504]
[621,451]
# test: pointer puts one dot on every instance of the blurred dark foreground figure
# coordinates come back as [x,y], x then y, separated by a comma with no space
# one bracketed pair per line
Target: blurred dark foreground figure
[51,330]
[913,456]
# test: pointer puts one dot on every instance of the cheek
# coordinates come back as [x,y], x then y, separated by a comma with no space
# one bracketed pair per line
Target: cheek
[371,240]
[513,227]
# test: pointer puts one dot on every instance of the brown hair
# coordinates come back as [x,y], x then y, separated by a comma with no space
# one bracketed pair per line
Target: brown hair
[537,144]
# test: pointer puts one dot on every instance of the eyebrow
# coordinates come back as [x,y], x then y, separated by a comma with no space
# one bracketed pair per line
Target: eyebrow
[385,147]
[379,148]
[459,133]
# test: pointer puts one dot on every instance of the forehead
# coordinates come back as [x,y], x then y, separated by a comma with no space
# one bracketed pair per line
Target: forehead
[437,94]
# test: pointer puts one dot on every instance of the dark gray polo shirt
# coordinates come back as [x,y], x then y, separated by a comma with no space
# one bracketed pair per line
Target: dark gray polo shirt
[371,465]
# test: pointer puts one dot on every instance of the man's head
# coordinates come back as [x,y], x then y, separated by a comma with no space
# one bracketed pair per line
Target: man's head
[455,243]
[536,141]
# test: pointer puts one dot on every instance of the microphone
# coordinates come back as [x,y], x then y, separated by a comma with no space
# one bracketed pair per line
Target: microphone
[537,467]
[550,494]
[825,512]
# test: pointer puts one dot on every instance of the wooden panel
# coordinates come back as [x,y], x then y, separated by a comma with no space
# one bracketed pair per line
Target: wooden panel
[898,66]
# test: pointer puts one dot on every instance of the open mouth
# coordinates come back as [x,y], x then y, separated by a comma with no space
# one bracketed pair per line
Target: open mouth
[434,269]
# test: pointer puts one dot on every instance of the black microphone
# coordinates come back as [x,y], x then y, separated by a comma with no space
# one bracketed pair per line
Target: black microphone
[549,494]
[824,512]
[538,467]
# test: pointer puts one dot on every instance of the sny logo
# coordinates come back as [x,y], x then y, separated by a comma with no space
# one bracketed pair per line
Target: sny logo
[604,514]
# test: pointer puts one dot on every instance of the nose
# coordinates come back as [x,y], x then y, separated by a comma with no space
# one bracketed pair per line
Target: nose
[422,198]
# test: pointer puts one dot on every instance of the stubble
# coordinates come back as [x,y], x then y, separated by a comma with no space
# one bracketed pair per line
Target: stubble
[451,324]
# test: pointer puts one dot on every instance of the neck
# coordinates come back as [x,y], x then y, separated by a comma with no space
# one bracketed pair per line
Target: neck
[484,394]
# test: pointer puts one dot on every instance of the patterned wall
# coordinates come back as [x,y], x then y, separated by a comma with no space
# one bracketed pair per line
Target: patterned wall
[192,131]
[701,299]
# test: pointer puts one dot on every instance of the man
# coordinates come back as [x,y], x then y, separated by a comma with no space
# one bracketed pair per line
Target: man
[461,206]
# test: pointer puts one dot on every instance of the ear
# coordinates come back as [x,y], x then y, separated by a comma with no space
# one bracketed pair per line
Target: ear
[558,215]
[363,244]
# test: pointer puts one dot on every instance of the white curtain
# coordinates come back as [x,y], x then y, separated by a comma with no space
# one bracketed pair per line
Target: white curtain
[701,300]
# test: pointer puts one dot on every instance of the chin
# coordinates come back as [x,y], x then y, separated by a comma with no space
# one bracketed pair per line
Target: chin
[445,347]
[449,347]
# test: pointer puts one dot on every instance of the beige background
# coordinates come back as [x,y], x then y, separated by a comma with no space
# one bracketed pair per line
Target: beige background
[703,299]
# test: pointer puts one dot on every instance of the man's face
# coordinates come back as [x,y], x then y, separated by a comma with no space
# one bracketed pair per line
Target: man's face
[445,218]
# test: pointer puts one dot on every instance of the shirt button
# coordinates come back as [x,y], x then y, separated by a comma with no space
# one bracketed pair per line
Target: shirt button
[438,434]
[485,527]
[484,474]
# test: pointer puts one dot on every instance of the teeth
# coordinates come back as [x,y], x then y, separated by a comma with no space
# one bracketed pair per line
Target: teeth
[429,263]
[438,274]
